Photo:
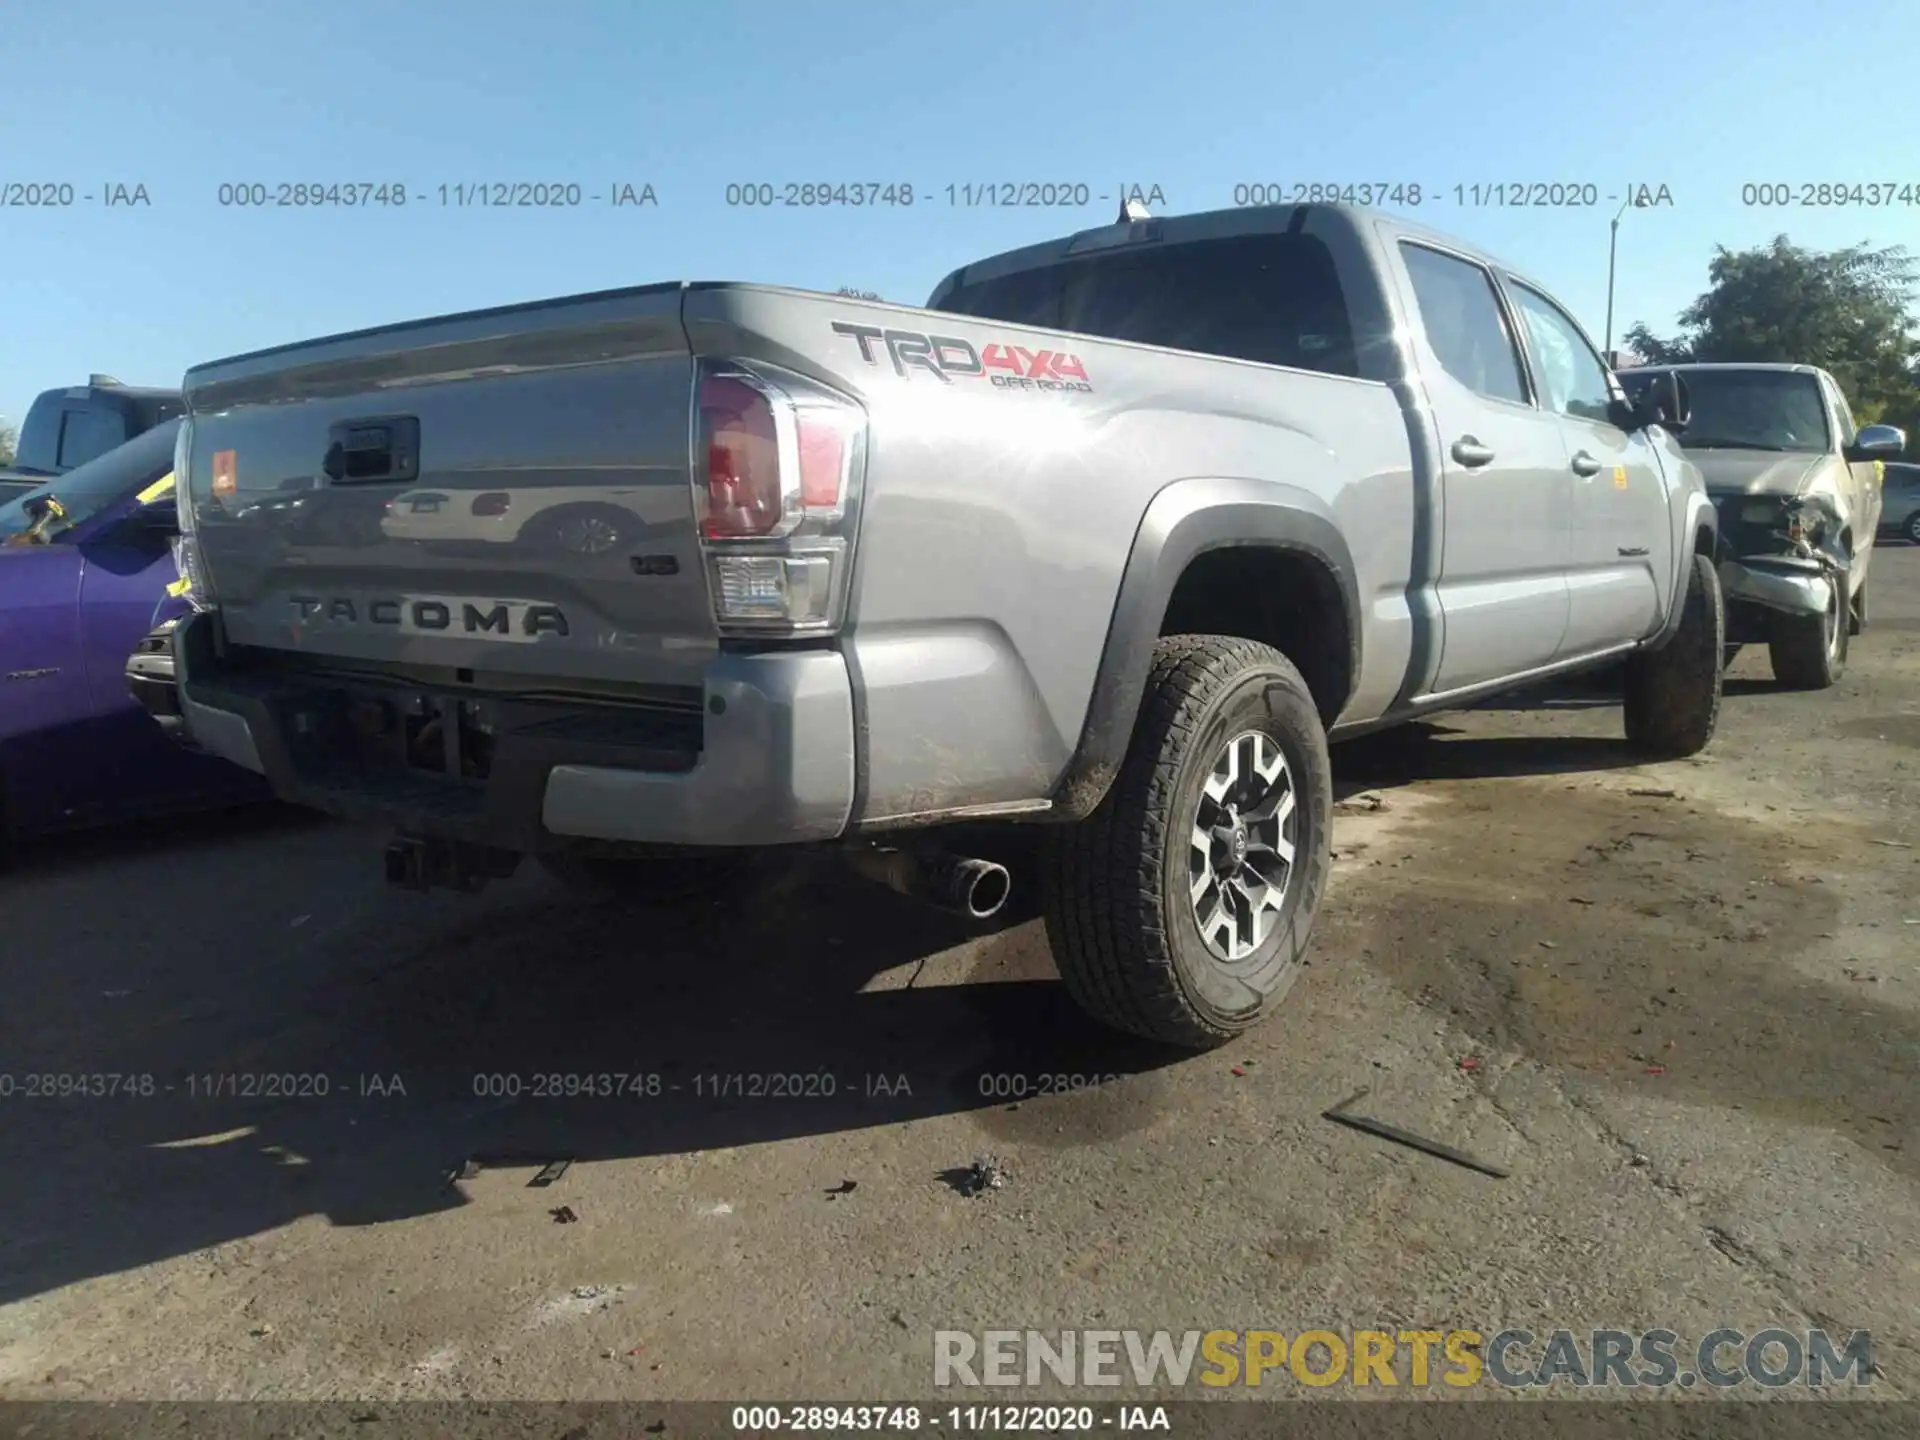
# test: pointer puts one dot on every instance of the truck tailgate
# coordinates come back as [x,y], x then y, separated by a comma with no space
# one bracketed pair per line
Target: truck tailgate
[507,492]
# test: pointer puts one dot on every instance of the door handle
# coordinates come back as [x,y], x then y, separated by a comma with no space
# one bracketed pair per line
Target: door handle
[1471,453]
[1585,465]
[382,448]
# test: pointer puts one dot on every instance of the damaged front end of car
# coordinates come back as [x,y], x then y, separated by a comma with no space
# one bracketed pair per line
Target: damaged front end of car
[1780,555]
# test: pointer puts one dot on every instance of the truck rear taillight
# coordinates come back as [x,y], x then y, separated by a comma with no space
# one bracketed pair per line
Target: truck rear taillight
[186,545]
[777,469]
[744,491]
[192,584]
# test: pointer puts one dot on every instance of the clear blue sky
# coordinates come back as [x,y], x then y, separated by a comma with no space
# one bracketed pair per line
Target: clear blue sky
[1701,96]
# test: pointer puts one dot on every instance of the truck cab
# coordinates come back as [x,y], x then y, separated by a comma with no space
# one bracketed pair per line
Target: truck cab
[68,426]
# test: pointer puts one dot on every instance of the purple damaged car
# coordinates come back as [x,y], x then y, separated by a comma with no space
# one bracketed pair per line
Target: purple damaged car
[88,569]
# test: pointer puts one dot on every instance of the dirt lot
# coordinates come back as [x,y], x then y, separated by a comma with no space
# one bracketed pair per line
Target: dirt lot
[1691,1020]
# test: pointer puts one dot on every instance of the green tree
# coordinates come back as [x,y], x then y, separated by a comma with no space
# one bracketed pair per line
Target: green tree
[1847,311]
[9,439]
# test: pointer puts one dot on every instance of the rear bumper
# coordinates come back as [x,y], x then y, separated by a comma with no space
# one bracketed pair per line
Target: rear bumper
[150,680]
[767,760]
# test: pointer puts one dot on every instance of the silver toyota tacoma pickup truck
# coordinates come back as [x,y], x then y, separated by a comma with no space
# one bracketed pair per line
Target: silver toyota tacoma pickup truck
[1101,547]
[1797,485]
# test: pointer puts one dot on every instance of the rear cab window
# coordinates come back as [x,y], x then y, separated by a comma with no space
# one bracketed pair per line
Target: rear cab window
[1275,299]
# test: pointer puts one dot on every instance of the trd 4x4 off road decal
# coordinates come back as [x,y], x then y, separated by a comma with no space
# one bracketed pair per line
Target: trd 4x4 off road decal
[946,358]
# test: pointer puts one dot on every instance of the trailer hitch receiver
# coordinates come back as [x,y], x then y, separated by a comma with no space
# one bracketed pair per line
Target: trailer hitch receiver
[422,863]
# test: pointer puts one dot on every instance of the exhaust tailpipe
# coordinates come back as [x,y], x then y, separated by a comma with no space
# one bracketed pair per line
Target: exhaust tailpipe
[977,889]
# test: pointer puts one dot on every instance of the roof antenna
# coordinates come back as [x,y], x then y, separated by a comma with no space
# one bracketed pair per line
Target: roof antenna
[1132,208]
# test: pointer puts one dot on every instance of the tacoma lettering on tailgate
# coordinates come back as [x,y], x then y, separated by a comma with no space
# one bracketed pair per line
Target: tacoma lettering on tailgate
[506,619]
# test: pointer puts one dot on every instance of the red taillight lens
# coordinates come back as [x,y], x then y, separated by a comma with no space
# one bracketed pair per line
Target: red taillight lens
[744,492]
[494,502]
[825,435]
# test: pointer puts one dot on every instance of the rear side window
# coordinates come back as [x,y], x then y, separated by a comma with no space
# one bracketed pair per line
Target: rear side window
[1460,311]
[1275,299]
[88,434]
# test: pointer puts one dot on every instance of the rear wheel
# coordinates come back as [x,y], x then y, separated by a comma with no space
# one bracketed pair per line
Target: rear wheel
[1673,693]
[1810,651]
[1179,910]
[1913,527]
[648,879]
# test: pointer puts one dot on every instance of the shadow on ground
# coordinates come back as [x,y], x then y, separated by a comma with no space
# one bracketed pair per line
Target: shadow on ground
[400,1035]
[407,1033]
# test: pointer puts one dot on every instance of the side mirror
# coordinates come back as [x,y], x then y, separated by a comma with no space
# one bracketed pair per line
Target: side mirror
[1877,442]
[45,512]
[1656,397]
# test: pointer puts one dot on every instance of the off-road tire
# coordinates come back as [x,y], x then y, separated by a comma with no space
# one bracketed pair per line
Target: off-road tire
[1673,693]
[1119,911]
[1809,652]
[647,880]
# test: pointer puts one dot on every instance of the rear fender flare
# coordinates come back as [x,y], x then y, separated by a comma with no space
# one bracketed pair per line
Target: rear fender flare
[1185,520]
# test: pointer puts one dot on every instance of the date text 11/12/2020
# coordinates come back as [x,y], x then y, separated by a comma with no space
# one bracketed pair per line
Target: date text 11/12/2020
[1497,194]
[777,1085]
[971,195]
[200,1085]
[699,1086]
[461,195]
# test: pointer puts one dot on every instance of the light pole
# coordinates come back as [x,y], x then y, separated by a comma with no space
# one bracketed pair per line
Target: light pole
[1613,246]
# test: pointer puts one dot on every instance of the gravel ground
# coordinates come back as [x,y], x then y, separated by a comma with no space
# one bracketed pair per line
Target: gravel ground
[1687,1022]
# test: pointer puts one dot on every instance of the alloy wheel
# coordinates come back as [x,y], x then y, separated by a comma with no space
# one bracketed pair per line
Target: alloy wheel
[1240,862]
